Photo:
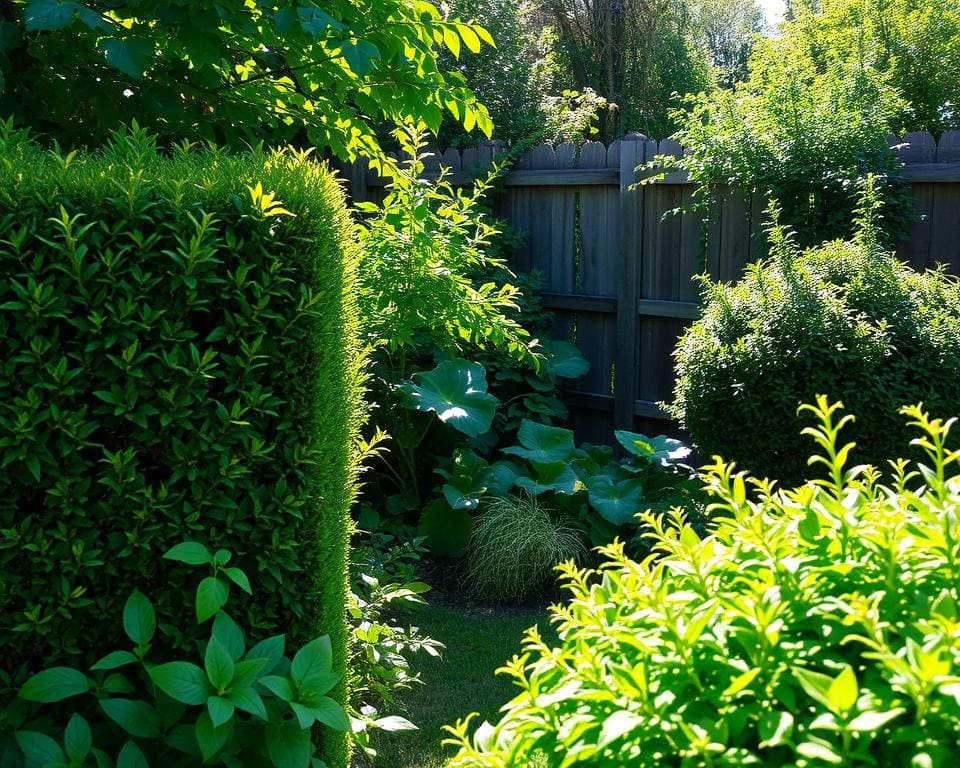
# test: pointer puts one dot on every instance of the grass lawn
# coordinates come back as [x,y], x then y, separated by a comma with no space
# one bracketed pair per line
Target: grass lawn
[478,640]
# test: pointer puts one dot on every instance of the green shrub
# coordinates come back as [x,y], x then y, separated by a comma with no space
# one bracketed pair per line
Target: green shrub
[243,706]
[815,626]
[847,319]
[177,337]
[515,545]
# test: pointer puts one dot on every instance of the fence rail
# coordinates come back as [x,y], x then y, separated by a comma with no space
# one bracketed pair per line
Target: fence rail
[619,274]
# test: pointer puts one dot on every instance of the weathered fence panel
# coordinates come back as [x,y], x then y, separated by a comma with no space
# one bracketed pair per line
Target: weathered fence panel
[618,268]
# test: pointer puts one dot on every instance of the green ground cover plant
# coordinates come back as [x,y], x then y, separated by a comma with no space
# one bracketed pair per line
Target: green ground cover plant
[178,336]
[242,706]
[815,625]
[845,318]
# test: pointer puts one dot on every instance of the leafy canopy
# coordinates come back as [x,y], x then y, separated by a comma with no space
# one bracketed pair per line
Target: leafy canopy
[235,70]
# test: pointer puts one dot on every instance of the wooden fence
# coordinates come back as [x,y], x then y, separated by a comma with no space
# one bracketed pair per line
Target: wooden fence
[618,272]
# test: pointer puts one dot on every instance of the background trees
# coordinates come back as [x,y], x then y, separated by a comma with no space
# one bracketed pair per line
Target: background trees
[234,71]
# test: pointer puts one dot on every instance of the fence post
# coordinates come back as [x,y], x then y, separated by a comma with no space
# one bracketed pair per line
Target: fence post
[632,154]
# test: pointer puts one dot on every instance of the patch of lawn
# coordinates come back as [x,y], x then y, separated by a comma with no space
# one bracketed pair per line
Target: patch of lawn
[478,640]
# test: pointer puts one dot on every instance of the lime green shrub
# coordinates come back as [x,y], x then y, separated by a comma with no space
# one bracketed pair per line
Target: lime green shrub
[815,626]
[847,319]
[177,337]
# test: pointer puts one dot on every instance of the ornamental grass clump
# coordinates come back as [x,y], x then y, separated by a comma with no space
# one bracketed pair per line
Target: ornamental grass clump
[814,626]
[515,545]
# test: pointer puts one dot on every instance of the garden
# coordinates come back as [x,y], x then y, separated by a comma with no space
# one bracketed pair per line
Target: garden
[479,384]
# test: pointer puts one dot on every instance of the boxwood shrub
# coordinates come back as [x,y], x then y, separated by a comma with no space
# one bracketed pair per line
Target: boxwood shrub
[815,626]
[847,319]
[177,362]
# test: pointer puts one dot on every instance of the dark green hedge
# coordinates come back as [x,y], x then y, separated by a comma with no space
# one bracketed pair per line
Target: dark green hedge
[846,320]
[178,362]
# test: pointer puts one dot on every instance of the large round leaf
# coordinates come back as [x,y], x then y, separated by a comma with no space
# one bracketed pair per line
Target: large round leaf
[447,530]
[658,450]
[617,502]
[538,442]
[565,360]
[456,390]
[552,477]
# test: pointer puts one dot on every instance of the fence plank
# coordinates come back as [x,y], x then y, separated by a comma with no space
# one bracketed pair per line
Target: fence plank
[632,154]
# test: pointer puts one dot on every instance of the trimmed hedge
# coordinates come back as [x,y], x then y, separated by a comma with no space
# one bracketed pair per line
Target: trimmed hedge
[178,363]
[846,319]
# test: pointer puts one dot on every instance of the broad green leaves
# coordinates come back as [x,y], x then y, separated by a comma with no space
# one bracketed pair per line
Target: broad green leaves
[543,444]
[146,62]
[187,707]
[617,502]
[139,619]
[456,390]
[660,449]
[54,684]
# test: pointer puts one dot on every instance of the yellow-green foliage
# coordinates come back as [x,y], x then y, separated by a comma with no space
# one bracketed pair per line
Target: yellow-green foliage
[815,626]
[177,342]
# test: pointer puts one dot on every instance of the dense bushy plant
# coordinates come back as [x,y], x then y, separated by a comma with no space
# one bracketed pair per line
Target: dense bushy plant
[802,134]
[243,706]
[815,626]
[179,360]
[847,319]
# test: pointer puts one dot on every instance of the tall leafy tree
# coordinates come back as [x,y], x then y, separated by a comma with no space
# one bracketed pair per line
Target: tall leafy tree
[914,43]
[234,70]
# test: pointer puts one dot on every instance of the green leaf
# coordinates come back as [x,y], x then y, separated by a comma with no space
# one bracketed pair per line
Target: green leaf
[49,14]
[248,700]
[775,728]
[211,597]
[229,634]
[316,22]
[394,723]
[54,684]
[279,686]
[183,681]
[331,714]
[618,725]
[660,450]
[617,502]
[40,749]
[139,618]
[552,477]
[218,664]
[115,659]
[317,684]
[360,55]
[135,717]
[819,751]
[315,658]
[220,709]
[190,552]
[815,684]
[288,745]
[131,55]
[446,530]
[210,738]
[565,360]
[456,390]
[239,578]
[843,691]
[77,738]
[131,756]
[270,649]
[867,722]
[539,442]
